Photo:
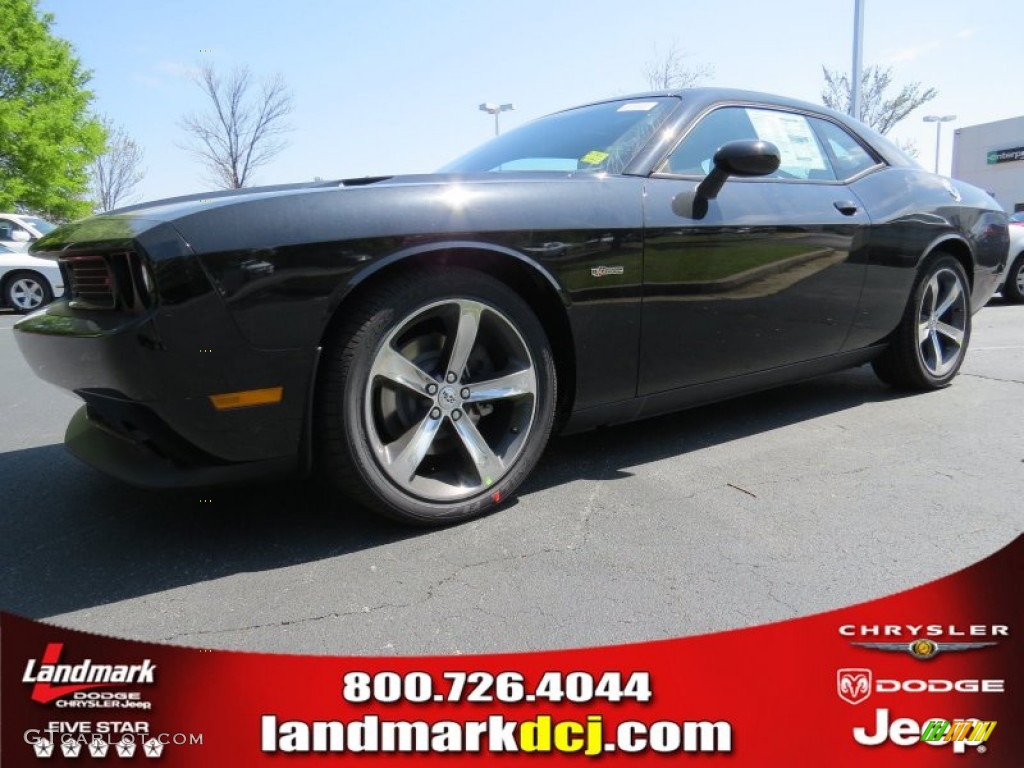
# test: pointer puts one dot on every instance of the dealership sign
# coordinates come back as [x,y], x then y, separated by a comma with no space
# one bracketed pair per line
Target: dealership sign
[925,678]
[1005,155]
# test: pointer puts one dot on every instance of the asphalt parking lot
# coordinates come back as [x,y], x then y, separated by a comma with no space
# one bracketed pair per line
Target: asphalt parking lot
[781,504]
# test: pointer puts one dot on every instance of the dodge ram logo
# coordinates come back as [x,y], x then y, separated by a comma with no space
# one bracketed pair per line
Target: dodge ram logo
[853,685]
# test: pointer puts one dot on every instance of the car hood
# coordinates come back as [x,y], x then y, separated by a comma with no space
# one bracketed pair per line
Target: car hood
[302,207]
[175,207]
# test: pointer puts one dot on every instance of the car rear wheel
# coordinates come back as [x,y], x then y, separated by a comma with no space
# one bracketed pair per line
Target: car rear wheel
[928,347]
[1013,288]
[27,291]
[437,398]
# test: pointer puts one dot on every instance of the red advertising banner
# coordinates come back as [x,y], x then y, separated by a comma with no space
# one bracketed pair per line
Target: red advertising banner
[929,677]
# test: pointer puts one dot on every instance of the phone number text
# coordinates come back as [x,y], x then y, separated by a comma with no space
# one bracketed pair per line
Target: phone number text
[485,687]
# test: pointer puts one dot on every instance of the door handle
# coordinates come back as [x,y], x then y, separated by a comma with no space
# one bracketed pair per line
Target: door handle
[846,207]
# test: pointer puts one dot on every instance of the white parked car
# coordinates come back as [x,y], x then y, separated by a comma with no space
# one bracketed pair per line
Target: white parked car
[18,230]
[27,282]
[1013,277]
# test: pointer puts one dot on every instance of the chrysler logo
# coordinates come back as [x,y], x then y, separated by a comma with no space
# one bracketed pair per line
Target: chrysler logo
[853,684]
[923,648]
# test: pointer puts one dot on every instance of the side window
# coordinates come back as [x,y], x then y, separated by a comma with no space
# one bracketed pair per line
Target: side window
[693,156]
[6,229]
[849,157]
[803,156]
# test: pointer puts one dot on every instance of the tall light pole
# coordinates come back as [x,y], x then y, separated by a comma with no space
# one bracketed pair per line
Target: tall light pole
[938,132]
[496,109]
[858,57]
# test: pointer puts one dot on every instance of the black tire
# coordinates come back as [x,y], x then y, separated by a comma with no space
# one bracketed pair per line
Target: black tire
[26,291]
[412,450]
[1013,287]
[923,352]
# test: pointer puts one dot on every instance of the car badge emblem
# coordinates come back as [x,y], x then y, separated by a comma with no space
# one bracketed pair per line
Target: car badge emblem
[923,649]
[605,271]
[448,398]
[853,684]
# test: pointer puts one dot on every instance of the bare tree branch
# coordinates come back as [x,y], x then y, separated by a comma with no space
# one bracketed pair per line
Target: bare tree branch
[877,110]
[909,146]
[242,130]
[117,172]
[670,72]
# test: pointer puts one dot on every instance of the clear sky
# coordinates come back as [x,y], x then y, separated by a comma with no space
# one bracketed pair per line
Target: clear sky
[389,86]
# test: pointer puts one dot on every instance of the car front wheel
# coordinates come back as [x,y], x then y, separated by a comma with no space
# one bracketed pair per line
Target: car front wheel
[437,398]
[27,291]
[928,347]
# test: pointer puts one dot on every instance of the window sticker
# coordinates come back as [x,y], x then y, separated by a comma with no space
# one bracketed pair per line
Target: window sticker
[637,106]
[793,135]
[594,157]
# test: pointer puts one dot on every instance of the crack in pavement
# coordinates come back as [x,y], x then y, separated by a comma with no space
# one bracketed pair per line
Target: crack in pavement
[817,473]
[770,584]
[992,378]
[451,577]
[284,623]
[430,594]
[583,525]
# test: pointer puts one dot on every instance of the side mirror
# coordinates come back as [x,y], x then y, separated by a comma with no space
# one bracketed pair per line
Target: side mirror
[739,158]
[20,236]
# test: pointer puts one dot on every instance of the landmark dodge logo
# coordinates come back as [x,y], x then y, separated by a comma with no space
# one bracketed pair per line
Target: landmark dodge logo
[79,677]
[855,685]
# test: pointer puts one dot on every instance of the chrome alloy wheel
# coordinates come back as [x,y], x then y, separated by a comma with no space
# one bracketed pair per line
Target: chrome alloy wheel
[26,294]
[451,400]
[942,322]
[1018,277]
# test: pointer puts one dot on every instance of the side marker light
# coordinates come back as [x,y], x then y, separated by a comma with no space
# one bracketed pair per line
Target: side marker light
[231,400]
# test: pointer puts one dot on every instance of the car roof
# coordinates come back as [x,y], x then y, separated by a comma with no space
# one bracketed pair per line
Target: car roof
[696,100]
[706,96]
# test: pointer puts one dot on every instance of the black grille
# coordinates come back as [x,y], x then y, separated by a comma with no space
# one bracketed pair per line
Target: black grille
[91,282]
[108,281]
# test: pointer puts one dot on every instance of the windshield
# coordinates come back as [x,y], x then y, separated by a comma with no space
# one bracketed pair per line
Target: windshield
[41,224]
[601,137]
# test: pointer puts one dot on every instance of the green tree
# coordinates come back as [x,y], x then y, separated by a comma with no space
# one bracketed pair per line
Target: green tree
[47,136]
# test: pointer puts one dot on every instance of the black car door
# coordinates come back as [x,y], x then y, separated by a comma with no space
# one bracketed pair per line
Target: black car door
[768,276]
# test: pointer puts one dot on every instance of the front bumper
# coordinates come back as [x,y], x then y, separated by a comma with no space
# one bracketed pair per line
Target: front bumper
[144,462]
[147,381]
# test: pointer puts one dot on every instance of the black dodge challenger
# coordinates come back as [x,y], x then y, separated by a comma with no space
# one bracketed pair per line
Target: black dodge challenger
[416,339]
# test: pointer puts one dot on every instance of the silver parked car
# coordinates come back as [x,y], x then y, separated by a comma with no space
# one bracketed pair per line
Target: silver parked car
[1012,283]
[19,230]
[27,282]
